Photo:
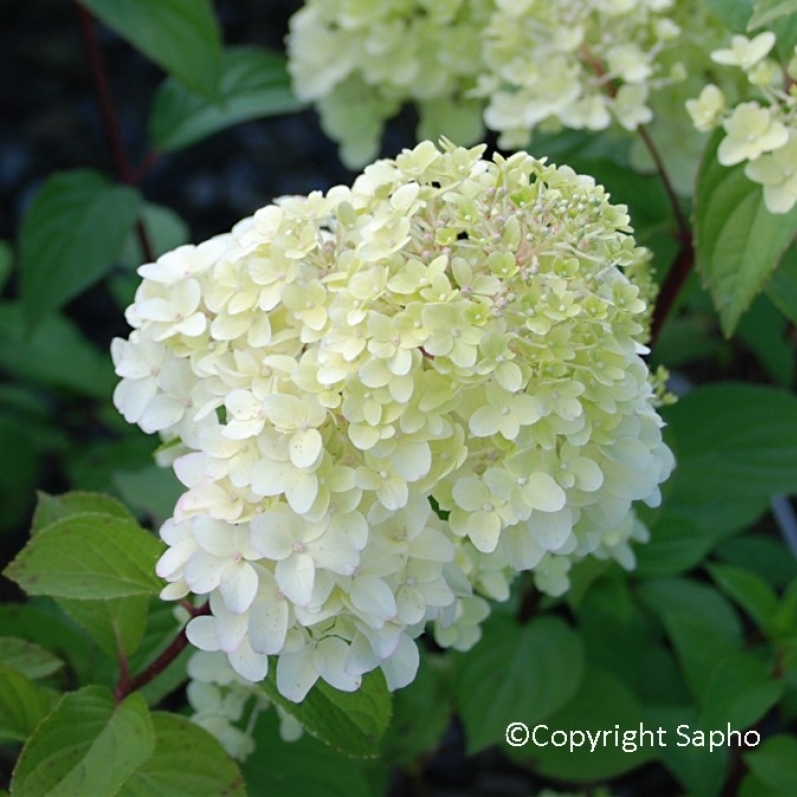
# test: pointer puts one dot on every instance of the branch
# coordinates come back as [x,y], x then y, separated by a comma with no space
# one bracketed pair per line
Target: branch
[110,119]
[684,232]
[126,684]
[673,282]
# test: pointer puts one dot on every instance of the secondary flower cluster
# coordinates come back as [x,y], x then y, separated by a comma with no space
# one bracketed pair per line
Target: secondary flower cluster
[517,63]
[450,333]
[762,134]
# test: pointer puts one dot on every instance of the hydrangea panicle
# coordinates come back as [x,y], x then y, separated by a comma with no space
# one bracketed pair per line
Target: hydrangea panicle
[449,331]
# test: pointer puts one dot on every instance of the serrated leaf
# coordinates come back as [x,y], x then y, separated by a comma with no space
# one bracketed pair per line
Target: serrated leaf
[701,772]
[115,624]
[39,620]
[697,600]
[89,556]
[740,691]
[774,763]
[89,745]
[766,12]
[331,774]
[22,704]
[161,629]
[421,713]
[516,673]
[749,591]
[55,354]
[50,508]
[254,83]
[765,333]
[602,701]
[782,286]
[763,555]
[738,242]
[698,647]
[32,660]
[21,439]
[165,231]
[734,440]
[152,490]
[187,762]
[675,546]
[181,36]
[71,236]
[350,722]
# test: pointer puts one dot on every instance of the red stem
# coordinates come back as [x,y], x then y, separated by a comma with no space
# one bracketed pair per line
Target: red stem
[126,684]
[110,119]
[683,225]
[670,290]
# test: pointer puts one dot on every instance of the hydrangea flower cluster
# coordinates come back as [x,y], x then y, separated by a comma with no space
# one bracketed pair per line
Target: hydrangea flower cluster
[517,63]
[761,133]
[449,332]
[221,699]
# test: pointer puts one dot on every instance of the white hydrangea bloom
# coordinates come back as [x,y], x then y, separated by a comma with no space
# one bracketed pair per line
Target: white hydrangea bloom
[745,53]
[777,172]
[223,702]
[761,132]
[448,330]
[515,64]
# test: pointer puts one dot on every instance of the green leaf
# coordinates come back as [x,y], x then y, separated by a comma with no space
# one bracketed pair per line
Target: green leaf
[692,598]
[602,701]
[165,231]
[350,722]
[32,660]
[71,236]
[767,11]
[41,621]
[55,354]
[774,763]
[516,673]
[20,453]
[765,556]
[621,639]
[115,624]
[733,440]
[6,263]
[749,591]
[734,14]
[781,289]
[87,746]
[89,556]
[254,83]
[764,331]
[187,762]
[22,705]
[738,242]
[152,491]
[330,774]
[50,508]
[702,772]
[675,546]
[421,714]
[751,786]
[698,647]
[161,629]
[181,36]
[740,691]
